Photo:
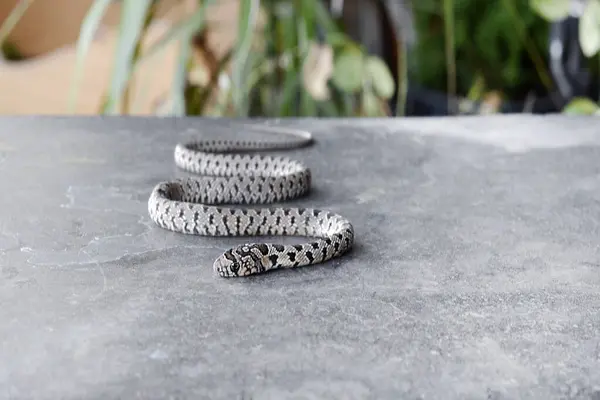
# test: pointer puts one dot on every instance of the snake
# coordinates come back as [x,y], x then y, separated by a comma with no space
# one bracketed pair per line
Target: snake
[228,194]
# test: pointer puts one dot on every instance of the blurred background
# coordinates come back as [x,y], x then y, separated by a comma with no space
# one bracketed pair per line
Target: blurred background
[282,58]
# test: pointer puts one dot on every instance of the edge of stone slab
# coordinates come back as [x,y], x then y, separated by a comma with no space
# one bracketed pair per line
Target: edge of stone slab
[511,132]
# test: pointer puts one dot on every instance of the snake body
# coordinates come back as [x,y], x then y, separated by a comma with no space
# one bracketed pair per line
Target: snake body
[231,174]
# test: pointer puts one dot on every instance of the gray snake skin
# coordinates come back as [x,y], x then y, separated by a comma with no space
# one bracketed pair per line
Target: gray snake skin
[195,205]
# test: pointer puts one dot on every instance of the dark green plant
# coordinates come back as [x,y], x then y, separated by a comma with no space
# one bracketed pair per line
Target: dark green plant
[502,43]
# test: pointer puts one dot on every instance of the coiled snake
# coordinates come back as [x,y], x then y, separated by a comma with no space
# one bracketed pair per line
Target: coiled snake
[195,205]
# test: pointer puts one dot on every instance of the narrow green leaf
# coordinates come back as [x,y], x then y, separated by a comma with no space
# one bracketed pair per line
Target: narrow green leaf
[308,106]
[450,50]
[290,87]
[247,17]
[205,94]
[327,109]
[89,26]
[589,28]
[308,21]
[133,17]
[338,39]
[305,23]
[290,23]
[13,18]
[322,16]
[402,78]
[551,10]
[179,80]
[183,30]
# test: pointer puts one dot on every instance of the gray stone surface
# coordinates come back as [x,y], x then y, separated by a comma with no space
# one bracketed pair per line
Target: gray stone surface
[476,270]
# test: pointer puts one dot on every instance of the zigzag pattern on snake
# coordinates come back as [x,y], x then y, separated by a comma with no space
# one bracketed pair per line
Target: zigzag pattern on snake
[230,176]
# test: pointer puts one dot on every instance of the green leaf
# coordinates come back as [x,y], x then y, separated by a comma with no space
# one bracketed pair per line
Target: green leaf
[308,106]
[247,17]
[290,86]
[323,16]
[589,28]
[89,26]
[348,70]
[581,106]
[380,76]
[338,39]
[307,23]
[178,85]
[184,30]
[133,17]
[370,104]
[13,18]
[551,10]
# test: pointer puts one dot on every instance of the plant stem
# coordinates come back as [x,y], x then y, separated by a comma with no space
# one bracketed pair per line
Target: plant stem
[204,96]
[246,24]
[529,47]
[402,80]
[450,52]
[13,18]
[136,55]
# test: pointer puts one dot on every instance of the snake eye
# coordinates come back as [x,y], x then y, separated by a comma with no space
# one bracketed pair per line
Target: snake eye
[234,267]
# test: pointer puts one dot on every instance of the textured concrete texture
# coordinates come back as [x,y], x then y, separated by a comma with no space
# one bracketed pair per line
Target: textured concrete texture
[475,274]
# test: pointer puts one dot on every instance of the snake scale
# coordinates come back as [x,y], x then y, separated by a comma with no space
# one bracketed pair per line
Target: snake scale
[230,172]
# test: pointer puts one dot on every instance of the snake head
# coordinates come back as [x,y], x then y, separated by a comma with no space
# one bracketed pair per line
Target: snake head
[239,261]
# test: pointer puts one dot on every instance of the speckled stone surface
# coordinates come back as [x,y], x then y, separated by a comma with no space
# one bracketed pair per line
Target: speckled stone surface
[475,274]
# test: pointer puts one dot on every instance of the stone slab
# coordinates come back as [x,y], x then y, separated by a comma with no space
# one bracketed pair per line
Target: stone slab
[475,274]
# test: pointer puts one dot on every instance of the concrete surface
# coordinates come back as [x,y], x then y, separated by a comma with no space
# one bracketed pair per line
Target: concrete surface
[475,275]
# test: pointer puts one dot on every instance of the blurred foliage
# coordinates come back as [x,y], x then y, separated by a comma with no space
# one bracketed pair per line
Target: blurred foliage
[9,51]
[301,63]
[281,69]
[589,25]
[491,40]
[581,106]
[589,40]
